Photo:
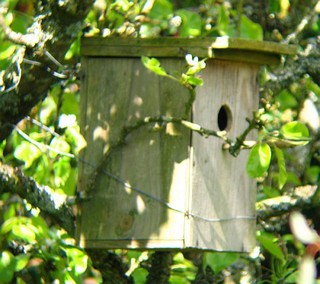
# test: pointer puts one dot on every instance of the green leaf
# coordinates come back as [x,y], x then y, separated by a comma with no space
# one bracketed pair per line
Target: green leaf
[78,260]
[191,80]
[6,266]
[70,104]
[6,50]
[191,23]
[249,29]
[7,226]
[74,49]
[268,241]
[282,178]
[140,275]
[24,232]
[42,229]
[21,261]
[153,65]
[218,261]
[59,144]
[27,153]
[161,9]
[223,21]
[74,137]
[296,132]
[62,169]
[286,100]
[259,160]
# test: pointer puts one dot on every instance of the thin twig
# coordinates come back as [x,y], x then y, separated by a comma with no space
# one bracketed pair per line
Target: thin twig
[42,126]
[235,148]
[302,25]
[42,147]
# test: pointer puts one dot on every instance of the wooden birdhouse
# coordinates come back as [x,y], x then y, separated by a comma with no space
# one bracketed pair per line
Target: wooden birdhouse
[146,181]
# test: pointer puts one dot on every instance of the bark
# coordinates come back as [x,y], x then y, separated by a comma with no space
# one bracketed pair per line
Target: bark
[303,197]
[295,69]
[159,271]
[110,266]
[14,181]
[57,24]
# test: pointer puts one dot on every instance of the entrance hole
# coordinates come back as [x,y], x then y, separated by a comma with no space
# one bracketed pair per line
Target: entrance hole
[224,118]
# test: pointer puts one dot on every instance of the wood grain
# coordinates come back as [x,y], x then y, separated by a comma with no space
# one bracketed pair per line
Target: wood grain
[211,197]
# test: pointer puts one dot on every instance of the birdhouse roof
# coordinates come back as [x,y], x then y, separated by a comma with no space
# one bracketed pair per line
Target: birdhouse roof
[233,49]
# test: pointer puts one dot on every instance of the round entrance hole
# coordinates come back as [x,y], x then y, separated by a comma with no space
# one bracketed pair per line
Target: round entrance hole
[224,118]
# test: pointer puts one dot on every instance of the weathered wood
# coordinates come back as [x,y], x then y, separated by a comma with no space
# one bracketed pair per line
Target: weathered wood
[153,161]
[219,48]
[166,187]
[221,189]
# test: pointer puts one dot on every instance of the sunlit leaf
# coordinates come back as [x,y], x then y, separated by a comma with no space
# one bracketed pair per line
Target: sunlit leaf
[21,261]
[223,21]
[296,132]
[24,232]
[153,65]
[74,137]
[268,241]
[191,23]
[7,266]
[6,50]
[259,160]
[78,260]
[7,226]
[191,80]
[250,30]
[60,145]
[27,152]
[282,177]
[74,50]
[62,169]
[218,261]
[42,227]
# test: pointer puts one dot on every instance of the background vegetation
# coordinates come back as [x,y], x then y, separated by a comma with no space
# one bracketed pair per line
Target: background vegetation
[40,140]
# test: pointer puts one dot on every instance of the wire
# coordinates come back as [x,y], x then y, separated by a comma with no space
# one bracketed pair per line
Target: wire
[121,181]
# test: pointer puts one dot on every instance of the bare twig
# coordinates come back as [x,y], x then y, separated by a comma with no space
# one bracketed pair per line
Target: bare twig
[306,19]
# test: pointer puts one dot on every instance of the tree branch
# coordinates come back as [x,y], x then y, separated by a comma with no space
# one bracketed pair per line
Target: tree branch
[278,206]
[57,24]
[14,181]
[110,265]
[159,271]
[29,40]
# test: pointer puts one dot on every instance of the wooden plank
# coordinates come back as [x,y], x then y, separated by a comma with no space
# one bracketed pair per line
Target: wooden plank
[120,92]
[220,48]
[221,188]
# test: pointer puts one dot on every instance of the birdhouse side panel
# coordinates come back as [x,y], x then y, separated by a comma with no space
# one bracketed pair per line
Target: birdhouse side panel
[130,186]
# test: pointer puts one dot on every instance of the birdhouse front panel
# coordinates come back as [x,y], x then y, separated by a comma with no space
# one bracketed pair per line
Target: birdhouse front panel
[222,196]
[147,181]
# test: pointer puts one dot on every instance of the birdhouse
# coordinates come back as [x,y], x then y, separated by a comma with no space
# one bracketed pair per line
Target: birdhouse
[146,179]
